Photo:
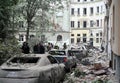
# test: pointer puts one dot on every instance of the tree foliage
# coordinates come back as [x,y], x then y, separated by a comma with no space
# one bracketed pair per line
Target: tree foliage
[7,40]
[30,9]
[5,13]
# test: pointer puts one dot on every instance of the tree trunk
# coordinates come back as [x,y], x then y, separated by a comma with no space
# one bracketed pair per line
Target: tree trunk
[27,32]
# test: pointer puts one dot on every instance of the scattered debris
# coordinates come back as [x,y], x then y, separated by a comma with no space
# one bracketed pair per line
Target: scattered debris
[97,66]
[92,69]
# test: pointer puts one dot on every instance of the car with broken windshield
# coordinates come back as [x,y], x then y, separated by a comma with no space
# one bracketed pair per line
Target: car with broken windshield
[32,68]
[81,48]
[64,56]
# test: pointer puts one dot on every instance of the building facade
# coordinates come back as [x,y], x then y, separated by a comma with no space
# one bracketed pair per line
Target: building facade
[87,21]
[80,21]
[57,32]
[113,35]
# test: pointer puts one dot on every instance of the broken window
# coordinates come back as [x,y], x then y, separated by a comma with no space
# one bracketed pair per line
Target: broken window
[84,11]
[52,60]
[25,60]
[59,38]
[78,40]
[72,40]
[57,52]
[72,11]
[21,37]
[84,24]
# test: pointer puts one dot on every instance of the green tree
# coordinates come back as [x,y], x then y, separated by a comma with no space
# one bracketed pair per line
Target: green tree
[7,39]
[30,9]
[5,14]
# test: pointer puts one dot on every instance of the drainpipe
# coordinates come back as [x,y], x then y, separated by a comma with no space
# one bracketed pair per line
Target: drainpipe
[107,15]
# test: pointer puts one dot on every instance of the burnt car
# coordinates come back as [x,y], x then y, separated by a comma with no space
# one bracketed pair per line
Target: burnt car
[64,56]
[83,50]
[32,68]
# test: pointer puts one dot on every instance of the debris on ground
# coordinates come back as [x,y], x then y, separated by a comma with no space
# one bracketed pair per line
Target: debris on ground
[92,69]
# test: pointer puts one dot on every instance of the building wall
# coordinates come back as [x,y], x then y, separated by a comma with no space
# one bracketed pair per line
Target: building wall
[115,19]
[97,15]
[60,26]
[53,38]
[114,26]
[79,34]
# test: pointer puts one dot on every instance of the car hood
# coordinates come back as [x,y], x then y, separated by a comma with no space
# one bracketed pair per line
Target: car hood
[12,71]
[18,65]
[18,73]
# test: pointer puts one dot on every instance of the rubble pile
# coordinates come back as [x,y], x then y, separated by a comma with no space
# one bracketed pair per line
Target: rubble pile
[92,69]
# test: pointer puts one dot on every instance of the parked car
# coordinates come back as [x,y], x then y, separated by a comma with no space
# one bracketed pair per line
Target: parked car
[63,56]
[32,68]
[81,48]
[84,50]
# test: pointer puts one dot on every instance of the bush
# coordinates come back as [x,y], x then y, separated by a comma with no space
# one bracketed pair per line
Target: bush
[100,81]
[8,49]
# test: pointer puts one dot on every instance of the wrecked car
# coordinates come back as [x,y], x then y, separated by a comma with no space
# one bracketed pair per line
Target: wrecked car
[81,48]
[32,68]
[64,56]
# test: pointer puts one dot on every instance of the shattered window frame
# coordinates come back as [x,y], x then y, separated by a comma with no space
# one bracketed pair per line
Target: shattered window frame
[25,60]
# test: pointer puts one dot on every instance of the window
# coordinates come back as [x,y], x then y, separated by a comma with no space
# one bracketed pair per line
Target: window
[91,39]
[97,34]
[101,23]
[98,9]
[100,33]
[78,11]
[20,24]
[32,36]
[21,38]
[78,40]
[97,22]
[100,39]
[56,52]
[84,24]
[72,34]
[72,11]
[91,23]
[25,60]
[84,11]
[72,23]
[84,38]
[73,52]
[91,34]
[84,35]
[59,38]
[78,34]
[91,11]
[78,24]
[72,40]
[97,40]
[78,0]
[52,60]
[43,37]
